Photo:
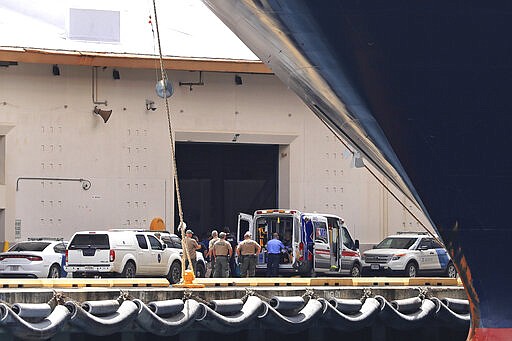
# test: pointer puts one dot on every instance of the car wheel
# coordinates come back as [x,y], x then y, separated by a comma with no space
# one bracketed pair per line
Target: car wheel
[54,271]
[174,275]
[355,271]
[129,270]
[411,270]
[451,270]
[200,270]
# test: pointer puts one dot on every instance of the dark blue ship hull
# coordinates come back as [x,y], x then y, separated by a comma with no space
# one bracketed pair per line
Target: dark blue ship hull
[423,89]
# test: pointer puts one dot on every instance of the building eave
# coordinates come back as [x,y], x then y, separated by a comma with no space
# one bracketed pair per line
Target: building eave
[134,61]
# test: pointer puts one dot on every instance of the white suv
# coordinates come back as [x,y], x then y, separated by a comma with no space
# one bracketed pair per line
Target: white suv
[410,254]
[124,253]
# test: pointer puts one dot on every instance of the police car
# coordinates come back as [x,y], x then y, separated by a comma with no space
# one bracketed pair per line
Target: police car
[410,254]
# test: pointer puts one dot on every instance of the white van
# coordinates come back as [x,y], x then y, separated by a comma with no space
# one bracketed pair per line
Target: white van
[315,243]
[123,253]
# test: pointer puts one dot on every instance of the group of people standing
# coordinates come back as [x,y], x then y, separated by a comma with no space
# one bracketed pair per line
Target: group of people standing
[220,249]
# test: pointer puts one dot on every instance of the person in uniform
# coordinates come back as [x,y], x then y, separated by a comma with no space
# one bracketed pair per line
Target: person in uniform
[213,240]
[222,251]
[191,246]
[248,251]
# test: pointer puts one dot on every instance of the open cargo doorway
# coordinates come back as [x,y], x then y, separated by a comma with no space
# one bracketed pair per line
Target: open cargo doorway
[217,181]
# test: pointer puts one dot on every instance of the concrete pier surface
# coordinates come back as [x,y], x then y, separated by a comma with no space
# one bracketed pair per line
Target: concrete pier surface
[43,295]
[158,289]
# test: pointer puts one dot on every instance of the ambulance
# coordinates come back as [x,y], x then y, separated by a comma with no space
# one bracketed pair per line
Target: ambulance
[314,243]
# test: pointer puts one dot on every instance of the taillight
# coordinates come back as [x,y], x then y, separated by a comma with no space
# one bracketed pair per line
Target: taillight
[34,258]
[67,256]
[301,251]
[112,255]
[2,257]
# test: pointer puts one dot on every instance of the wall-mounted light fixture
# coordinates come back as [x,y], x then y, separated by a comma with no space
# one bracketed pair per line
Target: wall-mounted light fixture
[238,80]
[105,114]
[358,160]
[55,70]
[115,74]
[150,105]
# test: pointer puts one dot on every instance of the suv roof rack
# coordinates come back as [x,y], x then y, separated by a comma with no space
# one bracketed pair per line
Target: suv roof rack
[33,239]
[414,232]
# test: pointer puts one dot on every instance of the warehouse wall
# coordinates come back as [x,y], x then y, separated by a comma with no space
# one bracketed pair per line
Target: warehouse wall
[50,131]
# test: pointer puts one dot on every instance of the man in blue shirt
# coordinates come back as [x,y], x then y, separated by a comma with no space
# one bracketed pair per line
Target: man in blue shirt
[274,247]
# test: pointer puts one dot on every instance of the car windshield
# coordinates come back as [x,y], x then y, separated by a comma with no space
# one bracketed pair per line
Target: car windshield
[29,246]
[396,243]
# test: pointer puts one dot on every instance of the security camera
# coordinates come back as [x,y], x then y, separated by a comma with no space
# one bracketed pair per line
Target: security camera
[150,105]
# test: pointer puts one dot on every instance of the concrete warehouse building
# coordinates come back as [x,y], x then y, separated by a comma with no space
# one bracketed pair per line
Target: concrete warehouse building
[244,141]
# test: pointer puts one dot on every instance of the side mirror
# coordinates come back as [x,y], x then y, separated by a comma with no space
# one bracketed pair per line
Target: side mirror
[356,244]
[164,246]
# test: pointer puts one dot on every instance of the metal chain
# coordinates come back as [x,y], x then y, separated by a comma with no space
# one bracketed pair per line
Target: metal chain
[309,294]
[261,297]
[188,295]
[367,293]
[423,293]
[124,296]
[57,299]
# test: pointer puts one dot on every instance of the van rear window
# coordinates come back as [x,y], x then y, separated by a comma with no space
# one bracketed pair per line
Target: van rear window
[97,241]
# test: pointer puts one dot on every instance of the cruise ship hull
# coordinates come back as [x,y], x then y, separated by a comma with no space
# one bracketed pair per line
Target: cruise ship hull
[421,88]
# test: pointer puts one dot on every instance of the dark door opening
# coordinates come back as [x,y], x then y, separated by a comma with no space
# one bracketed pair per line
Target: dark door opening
[219,180]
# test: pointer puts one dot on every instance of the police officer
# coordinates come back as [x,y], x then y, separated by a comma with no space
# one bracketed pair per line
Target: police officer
[222,251]
[248,251]
[191,246]
[213,240]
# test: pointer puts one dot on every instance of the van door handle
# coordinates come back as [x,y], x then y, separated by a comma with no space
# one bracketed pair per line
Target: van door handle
[432,253]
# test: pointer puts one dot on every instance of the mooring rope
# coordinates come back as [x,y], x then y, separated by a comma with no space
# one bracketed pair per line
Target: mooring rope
[182,225]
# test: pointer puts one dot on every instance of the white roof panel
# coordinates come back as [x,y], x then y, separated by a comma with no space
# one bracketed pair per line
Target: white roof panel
[187,28]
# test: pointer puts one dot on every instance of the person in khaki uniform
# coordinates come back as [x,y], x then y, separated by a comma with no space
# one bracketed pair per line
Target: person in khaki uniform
[191,245]
[248,251]
[211,263]
[222,251]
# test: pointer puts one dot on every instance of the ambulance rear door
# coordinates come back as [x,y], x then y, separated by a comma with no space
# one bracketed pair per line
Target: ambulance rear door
[244,225]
